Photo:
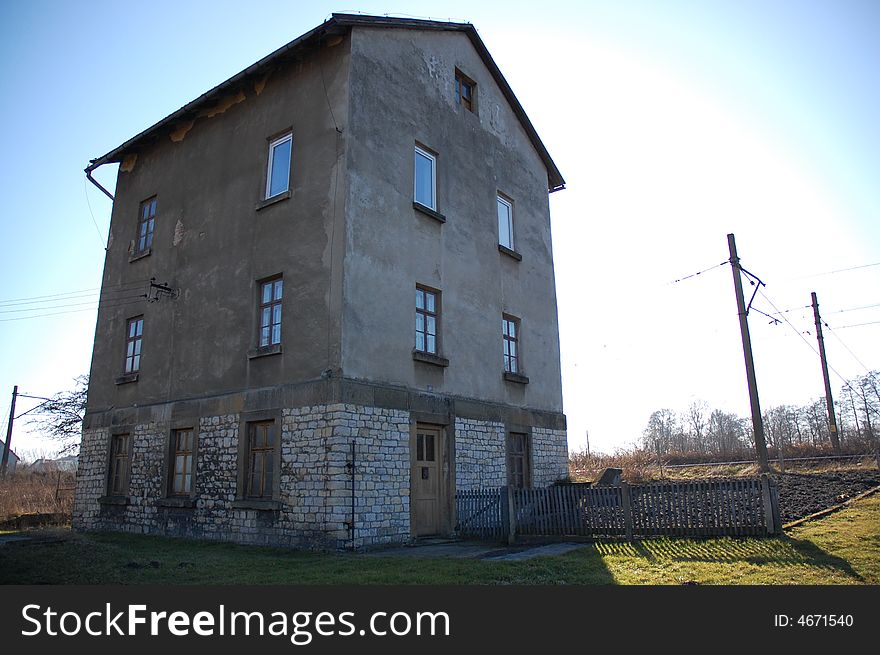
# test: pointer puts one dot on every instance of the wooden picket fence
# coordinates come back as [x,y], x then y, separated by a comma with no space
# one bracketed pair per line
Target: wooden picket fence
[744,507]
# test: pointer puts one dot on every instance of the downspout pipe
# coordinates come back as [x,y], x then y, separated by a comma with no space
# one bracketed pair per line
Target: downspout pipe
[89,170]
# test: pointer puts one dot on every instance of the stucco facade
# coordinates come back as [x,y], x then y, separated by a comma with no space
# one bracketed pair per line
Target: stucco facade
[344,385]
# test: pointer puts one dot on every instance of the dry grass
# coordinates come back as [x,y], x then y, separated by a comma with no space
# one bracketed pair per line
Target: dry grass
[26,492]
[642,466]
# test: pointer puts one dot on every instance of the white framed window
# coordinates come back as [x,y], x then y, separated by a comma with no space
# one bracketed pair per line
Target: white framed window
[510,339]
[505,222]
[133,341]
[425,183]
[278,171]
[427,320]
[146,225]
[270,312]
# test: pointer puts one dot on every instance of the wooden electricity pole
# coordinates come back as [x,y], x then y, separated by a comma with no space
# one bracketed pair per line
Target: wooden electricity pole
[5,461]
[757,420]
[829,400]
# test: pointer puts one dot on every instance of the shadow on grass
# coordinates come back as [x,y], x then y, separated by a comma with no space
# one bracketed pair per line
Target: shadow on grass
[783,551]
[114,558]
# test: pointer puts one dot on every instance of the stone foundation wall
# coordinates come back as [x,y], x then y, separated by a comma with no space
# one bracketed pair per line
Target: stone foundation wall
[549,456]
[315,508]
[315,482]
[480,454]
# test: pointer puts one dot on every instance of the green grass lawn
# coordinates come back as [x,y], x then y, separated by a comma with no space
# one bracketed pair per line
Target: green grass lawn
[843,548]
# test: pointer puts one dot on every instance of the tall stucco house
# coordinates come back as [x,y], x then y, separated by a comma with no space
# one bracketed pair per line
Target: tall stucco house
[328,300]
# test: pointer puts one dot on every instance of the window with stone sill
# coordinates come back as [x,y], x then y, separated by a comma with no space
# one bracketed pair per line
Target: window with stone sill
[510,329]
[427,320]
[133,344]
[183,448]
[261,453]
[271,292]
[146,225]
[278,167]
[120,465]
[425,179]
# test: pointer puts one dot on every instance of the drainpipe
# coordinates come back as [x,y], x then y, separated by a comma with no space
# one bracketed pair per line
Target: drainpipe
[89,170]
[351,468]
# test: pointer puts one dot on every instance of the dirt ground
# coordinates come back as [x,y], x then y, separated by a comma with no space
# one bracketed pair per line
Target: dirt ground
[804,494]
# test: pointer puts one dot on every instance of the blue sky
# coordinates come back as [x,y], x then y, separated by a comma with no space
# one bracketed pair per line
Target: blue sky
[673,123]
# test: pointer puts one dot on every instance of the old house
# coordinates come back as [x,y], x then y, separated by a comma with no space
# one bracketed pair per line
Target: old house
[350,307]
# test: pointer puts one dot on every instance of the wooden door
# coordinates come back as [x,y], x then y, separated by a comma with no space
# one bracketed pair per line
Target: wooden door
[426,485]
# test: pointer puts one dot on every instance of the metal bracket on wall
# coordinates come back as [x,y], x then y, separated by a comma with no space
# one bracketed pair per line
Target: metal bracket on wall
[158,291]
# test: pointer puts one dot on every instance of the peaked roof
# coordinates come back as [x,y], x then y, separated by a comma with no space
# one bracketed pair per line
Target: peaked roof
[335,25]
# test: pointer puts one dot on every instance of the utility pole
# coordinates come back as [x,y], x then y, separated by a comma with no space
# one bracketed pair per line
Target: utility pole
[8,432]
[829,400]
[757,420]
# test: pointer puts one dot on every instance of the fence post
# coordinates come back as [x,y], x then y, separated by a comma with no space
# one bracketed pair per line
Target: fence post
[627,510]
[774,501]
[508,514]
[769,521]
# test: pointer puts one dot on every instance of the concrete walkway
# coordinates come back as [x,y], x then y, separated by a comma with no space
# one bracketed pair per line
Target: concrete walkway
[475,550]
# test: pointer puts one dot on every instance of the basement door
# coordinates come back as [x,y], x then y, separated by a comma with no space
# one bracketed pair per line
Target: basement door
[426,486]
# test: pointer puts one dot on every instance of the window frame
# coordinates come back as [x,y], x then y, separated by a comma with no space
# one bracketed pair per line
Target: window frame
[462,80]
[435,314]
[143,243]
[274,142]
[512,361]
[432,157]
[173,453]
[132,361]
[524,455]
[272,451]
[501,199]
[270,305]
[115,455]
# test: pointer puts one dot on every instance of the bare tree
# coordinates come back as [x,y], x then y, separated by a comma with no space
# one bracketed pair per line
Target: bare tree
[61,416]
[698,423]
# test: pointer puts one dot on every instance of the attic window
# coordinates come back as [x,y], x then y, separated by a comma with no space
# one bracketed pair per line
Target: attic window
[465,91]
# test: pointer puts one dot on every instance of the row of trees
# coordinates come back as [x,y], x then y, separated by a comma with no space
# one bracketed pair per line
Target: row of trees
[701,429]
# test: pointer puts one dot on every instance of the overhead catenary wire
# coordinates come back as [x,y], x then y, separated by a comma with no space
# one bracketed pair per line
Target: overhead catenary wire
[839,270]
[110,305]
[109,288]
[687,277]
[809,345]
[832,331]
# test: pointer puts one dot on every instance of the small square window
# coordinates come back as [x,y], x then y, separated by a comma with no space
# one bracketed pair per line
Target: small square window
[425,179]
[146,225]
[505,222]
[465,91]
[133,341]
[427,320]
[510,339]
[278,173]
[270,312]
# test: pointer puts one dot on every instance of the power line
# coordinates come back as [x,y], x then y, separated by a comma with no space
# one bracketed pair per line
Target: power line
[847,347]
[843,327]
[74,304]
[840,270]
[809,345]
[110,288]
[72,311]
[853,309]
[92,214]
[687,277]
